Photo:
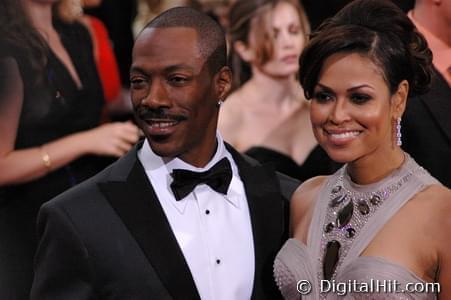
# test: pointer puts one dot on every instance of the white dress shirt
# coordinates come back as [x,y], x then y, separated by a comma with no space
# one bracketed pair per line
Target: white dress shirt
[213,230]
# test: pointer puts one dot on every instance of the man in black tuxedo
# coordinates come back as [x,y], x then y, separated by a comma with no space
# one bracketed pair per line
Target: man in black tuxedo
[183,215]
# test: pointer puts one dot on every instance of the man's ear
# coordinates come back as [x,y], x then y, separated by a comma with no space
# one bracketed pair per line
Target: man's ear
[399,99]
[245,52]
[223,82]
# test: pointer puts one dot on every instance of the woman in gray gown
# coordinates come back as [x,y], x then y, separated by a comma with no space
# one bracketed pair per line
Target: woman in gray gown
[379,227]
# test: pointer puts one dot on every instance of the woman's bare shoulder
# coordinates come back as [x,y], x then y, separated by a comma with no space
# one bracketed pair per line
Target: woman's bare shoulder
[439,197]
[433,204]
[303,200]
[309,186]
[233,102]
[436,196]
[231,111]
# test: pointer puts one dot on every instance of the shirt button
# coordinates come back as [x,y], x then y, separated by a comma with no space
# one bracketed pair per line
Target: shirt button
[218,261]
[207,212]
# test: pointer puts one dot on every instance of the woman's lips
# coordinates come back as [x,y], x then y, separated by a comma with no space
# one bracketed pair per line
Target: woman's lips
[290,59]
[341,137]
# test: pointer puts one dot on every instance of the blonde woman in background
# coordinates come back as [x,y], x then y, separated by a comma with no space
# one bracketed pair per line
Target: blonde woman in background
[267,116]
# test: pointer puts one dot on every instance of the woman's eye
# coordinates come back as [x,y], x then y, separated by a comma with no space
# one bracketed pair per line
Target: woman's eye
[322,97]
[294,30]
[360,98]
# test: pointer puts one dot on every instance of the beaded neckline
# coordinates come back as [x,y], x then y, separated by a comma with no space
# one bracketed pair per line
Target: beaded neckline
[349,208]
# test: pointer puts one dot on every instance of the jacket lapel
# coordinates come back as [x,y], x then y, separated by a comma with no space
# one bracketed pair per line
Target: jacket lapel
[267,209]
[136,203]
[438,101]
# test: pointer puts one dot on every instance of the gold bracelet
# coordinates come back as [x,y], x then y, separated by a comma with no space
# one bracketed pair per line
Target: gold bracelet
[46,158]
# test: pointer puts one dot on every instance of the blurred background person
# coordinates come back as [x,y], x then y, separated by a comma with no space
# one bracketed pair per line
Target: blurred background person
[381,217]
[267,116]
[426,126]
[104,56]
[51,101]
[149,9]
[219,10]
[117,16]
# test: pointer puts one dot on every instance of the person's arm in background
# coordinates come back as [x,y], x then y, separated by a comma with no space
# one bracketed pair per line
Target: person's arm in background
[19,166]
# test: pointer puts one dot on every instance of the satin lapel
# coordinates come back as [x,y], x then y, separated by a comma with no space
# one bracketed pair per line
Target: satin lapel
[267,216]
[137,205]
[438,101]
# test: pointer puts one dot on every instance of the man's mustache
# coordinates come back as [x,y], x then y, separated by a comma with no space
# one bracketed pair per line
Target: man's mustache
[146,113]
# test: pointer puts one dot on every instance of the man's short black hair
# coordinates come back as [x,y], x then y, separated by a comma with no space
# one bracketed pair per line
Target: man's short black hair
[212,43]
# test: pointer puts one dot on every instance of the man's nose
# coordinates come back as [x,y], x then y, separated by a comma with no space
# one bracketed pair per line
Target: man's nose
[157,96]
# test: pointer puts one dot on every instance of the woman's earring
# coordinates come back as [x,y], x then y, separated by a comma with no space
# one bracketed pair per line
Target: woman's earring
[398,132]
[219,103]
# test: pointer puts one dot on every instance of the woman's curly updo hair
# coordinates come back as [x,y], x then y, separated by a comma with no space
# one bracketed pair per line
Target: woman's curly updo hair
[379,30]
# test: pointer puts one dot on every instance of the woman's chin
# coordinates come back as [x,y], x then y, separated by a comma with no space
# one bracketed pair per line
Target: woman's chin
[342,157]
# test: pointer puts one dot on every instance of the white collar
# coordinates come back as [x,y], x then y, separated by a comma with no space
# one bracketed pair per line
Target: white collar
[159,170]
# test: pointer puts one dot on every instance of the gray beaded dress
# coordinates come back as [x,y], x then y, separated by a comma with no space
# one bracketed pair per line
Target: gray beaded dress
[350,215]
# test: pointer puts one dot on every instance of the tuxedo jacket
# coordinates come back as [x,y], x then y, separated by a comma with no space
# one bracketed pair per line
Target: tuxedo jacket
[426,129]
[109,238]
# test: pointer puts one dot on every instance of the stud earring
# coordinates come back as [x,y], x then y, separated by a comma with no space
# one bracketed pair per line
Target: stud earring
[398,132]
[219,103]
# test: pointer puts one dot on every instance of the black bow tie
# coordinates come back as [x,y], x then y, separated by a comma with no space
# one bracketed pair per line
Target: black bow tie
[218,178]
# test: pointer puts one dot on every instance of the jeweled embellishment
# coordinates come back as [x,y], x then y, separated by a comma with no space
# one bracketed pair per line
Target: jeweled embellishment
[343,225]
[331,258]
[336,189]
[375,200]
[345,215]
[329,227]
[337,200]
[363,207]
[350,232]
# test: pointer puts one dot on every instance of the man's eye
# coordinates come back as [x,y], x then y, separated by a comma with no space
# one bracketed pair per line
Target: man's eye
[322,97]
[360,98]
[137,83]
[178,79]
